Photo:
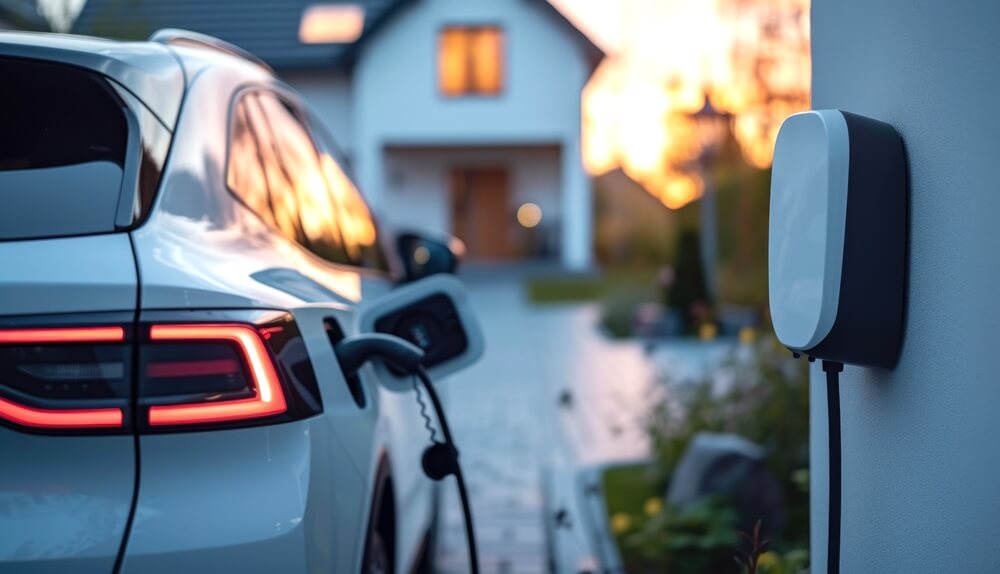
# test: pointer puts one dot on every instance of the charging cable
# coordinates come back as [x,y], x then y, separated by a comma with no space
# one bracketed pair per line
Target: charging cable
[440,459]
[833,370]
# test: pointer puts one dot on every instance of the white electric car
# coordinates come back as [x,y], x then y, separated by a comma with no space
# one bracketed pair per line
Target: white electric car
[180,249]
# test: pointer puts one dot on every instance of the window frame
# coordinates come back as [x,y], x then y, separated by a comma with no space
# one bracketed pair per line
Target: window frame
[301,115]
[142,165]
[502,66]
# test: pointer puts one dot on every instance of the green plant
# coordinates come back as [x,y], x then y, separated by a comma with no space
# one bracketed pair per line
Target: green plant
[628,488]
[697,539]
[748,562]
[764,399]
[618,309]
[689,292]
[743,194]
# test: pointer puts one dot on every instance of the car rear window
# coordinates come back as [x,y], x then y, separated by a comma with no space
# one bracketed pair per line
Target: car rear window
[63,140]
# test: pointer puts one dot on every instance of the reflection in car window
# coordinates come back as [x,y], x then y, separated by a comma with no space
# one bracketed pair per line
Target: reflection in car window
[274,168]
[357,225]
[307,191]
[280,176]
[245,176]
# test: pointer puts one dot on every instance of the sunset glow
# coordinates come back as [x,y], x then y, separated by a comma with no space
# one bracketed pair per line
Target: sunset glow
[750,57]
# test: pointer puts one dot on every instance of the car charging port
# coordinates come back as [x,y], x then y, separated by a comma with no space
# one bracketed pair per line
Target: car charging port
[335,334]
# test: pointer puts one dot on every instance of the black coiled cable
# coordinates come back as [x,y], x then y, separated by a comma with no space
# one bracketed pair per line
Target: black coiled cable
[455,468]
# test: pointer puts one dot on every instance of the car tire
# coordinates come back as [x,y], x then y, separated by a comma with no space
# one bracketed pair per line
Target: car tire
[377,559]
[428,554]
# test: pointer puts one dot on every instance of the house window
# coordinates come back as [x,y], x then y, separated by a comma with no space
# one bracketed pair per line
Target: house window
[470,60]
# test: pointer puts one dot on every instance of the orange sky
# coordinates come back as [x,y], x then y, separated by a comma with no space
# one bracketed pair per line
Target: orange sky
[664,55]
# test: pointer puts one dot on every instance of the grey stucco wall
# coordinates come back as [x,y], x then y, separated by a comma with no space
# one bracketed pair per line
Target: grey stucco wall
[921,443]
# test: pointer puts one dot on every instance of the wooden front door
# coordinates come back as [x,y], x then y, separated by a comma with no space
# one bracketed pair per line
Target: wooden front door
[481,212]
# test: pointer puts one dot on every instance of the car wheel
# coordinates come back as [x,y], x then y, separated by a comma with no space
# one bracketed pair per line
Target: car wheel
[428,554]
[376,555]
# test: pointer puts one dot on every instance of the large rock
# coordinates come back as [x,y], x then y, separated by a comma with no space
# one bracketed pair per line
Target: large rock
[730,466]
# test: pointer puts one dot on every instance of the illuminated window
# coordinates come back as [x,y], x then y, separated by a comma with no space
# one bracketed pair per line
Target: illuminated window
[470,60]
[331,24]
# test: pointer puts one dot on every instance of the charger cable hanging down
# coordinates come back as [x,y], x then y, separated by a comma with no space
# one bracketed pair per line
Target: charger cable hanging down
[833,370]
[441,459]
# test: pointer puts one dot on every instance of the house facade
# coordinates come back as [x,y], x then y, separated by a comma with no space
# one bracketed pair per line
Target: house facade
[920,469]
[461,116]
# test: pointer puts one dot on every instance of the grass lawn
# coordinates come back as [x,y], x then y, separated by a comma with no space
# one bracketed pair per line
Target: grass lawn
[629,491]
[628,488]
[620,292]
[577,288]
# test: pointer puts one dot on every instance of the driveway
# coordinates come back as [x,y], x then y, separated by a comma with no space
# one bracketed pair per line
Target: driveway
[550,392]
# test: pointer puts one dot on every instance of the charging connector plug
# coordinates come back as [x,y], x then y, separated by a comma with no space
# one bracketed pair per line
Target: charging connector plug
[439,460]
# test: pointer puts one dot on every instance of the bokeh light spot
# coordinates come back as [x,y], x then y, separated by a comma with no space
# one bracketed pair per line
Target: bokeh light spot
[529,215]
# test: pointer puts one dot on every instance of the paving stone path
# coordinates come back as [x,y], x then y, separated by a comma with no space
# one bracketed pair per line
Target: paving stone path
[550,391]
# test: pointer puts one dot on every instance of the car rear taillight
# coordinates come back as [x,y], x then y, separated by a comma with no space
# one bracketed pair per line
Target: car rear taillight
[64,377]
[63,335]
[236,374]
[194,371]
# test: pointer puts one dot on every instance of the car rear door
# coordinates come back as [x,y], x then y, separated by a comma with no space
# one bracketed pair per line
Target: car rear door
[66,452]
[68,298]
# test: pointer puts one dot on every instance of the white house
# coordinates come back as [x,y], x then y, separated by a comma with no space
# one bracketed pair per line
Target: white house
[457,115]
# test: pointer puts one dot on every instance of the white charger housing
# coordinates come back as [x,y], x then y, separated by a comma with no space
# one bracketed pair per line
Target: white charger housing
[837,237]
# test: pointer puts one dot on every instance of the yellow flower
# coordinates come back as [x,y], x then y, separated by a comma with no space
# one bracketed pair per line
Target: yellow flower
[708,331]
[769,561]
[747,335]
[653,506]
[620,522]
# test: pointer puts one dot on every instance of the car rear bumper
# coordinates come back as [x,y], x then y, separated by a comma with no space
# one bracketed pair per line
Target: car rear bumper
[279,498]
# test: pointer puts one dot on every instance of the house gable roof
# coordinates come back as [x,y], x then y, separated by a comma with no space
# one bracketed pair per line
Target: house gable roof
[267,28]
[592,51]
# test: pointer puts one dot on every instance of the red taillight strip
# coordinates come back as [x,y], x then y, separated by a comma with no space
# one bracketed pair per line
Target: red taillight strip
[270,399]
[61,418]
[68,418]
[63,335]
[193,368]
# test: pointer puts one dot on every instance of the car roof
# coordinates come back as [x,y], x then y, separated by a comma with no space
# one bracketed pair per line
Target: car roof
[149,70]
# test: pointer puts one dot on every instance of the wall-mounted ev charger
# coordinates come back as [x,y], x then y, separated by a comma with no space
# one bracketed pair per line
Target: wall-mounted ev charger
[837,238]
[837,255]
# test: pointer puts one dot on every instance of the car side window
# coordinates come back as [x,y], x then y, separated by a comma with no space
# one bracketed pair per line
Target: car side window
[358,227]
[274,168]
[245,174]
